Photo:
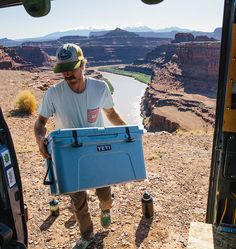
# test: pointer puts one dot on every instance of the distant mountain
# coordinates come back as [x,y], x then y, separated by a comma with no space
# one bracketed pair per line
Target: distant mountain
[58,34]
[9,43]
[120,33]
[170,34]
[147,29]
[139,29]
[95,32]
[218,33]
[170,29]
[98,33]
[80,32]
[143,31]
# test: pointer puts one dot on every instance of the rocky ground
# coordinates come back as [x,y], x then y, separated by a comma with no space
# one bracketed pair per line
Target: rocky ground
[178,167]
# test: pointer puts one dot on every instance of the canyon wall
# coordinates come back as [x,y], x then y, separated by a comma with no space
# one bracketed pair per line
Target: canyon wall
[115,47]
[182,91]
[23,58]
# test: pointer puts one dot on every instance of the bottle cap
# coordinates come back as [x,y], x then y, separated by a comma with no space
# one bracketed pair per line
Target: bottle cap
[53,202]
[146,196]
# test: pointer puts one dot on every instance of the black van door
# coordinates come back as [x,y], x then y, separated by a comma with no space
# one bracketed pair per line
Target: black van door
[13,228]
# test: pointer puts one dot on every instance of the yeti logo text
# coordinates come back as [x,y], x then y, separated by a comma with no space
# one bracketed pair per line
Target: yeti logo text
[105,147]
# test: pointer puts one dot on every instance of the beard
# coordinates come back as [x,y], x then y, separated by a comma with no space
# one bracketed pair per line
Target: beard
[71,79]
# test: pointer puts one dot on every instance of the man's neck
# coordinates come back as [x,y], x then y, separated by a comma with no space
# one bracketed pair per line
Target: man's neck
[78,86]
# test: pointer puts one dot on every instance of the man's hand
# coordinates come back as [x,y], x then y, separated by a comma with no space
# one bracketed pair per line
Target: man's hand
[40,132]
[43,147]
[114,117]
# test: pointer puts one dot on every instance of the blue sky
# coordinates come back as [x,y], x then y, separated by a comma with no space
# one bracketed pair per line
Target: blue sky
[202,15]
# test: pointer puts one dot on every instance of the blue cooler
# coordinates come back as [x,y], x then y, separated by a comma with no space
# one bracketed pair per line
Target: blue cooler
[88,158]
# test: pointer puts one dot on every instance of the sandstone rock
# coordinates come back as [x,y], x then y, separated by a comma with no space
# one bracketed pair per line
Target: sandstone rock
[194,70]
[22,58]
[114,47]
[183,37]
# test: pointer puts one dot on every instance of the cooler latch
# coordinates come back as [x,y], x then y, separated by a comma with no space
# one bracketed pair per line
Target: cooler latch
[129,139]
[76,143]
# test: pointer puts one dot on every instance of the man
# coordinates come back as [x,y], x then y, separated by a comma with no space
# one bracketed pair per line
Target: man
[77,102]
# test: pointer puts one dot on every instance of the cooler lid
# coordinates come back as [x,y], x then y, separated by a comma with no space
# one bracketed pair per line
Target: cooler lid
[96,131]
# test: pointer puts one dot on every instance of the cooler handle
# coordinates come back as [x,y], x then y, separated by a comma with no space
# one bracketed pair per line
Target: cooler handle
[45,181]
[76,143]
[129,139]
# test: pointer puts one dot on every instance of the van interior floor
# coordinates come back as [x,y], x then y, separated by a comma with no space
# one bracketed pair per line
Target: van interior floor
[207,236]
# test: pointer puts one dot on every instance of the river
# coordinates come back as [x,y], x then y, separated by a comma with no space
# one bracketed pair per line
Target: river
[127,97]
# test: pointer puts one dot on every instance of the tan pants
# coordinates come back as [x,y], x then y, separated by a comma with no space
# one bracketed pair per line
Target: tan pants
[81,209]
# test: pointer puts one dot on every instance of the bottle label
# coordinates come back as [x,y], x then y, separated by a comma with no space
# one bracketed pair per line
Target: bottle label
[54,208]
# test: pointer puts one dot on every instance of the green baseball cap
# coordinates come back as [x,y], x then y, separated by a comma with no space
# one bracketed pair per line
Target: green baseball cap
[69,57]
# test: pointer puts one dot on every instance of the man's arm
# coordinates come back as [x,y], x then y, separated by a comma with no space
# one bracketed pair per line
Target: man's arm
[40,132]
[114,117]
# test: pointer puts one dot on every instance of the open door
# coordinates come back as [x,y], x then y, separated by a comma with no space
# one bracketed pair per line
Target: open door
[13,229]
[221,209]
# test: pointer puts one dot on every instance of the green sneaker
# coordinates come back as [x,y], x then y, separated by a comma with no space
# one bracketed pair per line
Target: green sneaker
[82,243]
[105,218]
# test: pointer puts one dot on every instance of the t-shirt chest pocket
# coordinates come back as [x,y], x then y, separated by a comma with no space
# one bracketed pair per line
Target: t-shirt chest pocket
[92,114]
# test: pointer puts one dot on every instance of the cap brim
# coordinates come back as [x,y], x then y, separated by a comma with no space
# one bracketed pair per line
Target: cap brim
[65,67]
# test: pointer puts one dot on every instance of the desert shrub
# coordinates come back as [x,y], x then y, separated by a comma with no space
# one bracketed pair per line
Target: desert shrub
[26,102]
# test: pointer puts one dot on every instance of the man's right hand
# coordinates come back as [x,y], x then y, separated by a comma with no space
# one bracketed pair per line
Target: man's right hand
[40,131]
[43,147]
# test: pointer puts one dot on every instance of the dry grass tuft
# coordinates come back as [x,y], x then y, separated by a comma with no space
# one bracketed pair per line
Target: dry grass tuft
[26,102]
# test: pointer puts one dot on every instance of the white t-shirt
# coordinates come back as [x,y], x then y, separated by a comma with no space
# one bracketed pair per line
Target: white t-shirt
[76,110]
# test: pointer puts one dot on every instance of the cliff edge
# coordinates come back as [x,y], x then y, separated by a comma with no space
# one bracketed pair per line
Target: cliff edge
[182,91]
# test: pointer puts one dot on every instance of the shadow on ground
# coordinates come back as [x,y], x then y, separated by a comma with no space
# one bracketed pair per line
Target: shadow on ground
[18,113]
[142,230]
[71,222]
[47,223]
[98,240]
